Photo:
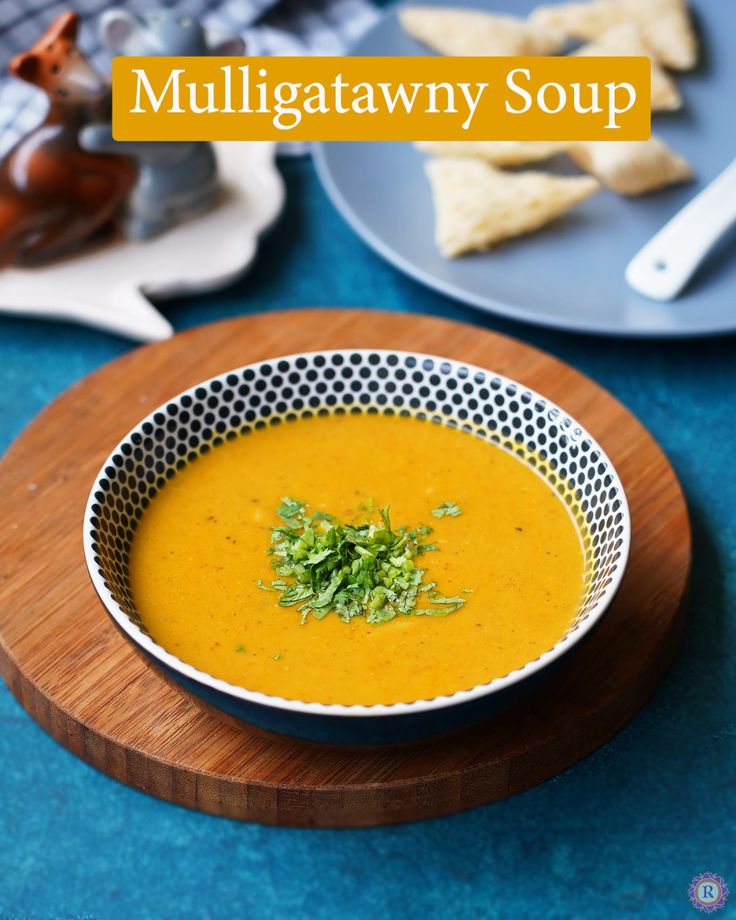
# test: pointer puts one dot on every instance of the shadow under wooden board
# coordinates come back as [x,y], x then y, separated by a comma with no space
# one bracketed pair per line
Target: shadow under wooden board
[85,684]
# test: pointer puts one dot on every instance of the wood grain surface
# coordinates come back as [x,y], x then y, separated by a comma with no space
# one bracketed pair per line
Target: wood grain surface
[87,686]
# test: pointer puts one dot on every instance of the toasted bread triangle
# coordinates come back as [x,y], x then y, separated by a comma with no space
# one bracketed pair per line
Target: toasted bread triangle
[664,25]
[499,153]
[625,39]
[472,32]
[632,167]
[477,205]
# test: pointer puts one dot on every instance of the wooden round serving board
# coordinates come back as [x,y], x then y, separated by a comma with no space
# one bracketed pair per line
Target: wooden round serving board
[86,685]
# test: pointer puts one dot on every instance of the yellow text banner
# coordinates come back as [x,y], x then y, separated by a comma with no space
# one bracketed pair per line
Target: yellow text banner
[381,98]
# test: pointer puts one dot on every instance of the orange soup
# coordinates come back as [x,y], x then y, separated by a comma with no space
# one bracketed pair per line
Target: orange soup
[507,547]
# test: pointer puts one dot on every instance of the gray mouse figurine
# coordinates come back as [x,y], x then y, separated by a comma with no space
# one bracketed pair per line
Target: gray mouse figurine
[176,179]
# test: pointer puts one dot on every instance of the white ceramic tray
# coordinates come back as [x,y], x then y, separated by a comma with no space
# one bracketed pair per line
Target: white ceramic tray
[109,287]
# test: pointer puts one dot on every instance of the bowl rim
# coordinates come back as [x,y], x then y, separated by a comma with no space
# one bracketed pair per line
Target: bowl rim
[443,701]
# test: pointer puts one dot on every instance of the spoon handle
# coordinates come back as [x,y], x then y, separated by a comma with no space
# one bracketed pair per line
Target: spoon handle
[663,267]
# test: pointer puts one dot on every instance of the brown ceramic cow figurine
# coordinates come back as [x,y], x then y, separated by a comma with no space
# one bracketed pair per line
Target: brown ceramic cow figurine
[54,196]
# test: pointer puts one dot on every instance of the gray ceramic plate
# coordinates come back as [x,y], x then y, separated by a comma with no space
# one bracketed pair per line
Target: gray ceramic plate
[570,275]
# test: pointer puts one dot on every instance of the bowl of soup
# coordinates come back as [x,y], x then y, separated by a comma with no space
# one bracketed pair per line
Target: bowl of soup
[357,546]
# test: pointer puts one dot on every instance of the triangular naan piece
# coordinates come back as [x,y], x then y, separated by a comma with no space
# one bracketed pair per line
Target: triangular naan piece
[477,205]
[632,167]
[664,25]
[499,153]
[625,40]
[472,32]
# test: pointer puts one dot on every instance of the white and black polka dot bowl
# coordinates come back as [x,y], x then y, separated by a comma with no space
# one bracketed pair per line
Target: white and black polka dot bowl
[281,391]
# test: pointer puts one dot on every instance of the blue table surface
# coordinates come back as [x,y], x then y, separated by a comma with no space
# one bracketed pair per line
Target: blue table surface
[621,834]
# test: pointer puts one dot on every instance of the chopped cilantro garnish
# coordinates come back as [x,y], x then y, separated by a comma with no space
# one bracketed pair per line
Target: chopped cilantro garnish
[365,570]
[447,604]
[447,509]
[240,648]
[289,508]
[278,656]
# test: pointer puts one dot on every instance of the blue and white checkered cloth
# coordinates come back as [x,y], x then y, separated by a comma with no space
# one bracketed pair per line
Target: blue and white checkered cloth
[268,27]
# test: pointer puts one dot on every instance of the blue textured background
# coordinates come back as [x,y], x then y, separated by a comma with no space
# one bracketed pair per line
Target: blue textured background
[621,834]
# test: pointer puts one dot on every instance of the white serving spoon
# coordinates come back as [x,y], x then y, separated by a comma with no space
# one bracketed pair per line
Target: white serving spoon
[663,267]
